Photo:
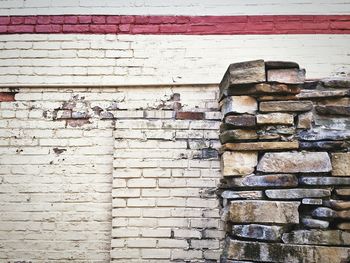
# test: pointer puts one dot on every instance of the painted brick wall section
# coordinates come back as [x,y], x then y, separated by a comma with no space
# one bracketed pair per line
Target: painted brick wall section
[57,172]
[179,7]
[152,59]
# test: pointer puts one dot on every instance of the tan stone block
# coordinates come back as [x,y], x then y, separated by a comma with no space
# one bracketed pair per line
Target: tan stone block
[289,76]
[238,104]
[341,164]
[278,106]
[258,146]
[305,120]
[238,163]
[275,118]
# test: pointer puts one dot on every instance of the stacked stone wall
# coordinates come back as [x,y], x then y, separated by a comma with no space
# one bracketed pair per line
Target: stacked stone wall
[285,165]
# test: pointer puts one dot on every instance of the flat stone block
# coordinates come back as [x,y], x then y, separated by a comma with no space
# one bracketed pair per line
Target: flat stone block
[275,118]
[240,121]
[328,213]
[288,76]
[237,135]
[337,204]
[295,162]
[274,252]
[322,145]
[305,120]
[278,106]
[323,134]
[336,83]
[327,181]
[317,237]
[312,201]
[313,94]
[343,192]
[257,211]
[271,180]
[264,88]
[333,110]
[341,164]
[238,163]
[242,194]
[258,146]
[238,104]
[344,226]
[315,223]
[281,64]
[297,193]
[256,231]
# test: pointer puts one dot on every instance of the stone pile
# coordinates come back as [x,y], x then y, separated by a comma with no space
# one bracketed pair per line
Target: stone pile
[285,163]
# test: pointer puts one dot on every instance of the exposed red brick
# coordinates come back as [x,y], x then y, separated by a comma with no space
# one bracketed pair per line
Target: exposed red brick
[4,20]
[76,28]
[142,20]
[189,115]
[7,96]
[113,19]
[124,28]
[17,20]
[48,28]
[340,25]
[127,19]
[44,20]
[20,29]
[31,20]
[57,19]
[100,29]
[70,19]
[182,28]
[99,19]
[148,29]
[84,19]
[3,29]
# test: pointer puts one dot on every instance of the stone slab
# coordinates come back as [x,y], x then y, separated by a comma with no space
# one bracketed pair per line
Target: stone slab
[288,76]
[344,226]
[336,83]
[247,211]
[275,118]
[238,163]
[259,146]
[295,162]
[238,104]
[283,253]
[312,201]
[317,237]
[328,213]
[333,110]
[327,181]
[337,204]
[240,120]
[264,89]
[340,164]
[242,194]
[271,180]
[281,64]
[237,135]
[315,223]
[343,192]
[324,134]
[305,120]
[281,106]
[257,231]
[323,145]
[297,193]
[313,94]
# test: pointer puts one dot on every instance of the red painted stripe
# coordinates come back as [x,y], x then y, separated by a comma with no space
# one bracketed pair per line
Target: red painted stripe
[168,25]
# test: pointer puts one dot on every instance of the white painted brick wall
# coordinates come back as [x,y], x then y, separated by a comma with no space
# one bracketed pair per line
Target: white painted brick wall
[165,59]
[152,206]
[178,7]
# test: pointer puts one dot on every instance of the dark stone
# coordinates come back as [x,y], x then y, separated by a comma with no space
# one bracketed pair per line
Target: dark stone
[259,232]
[275,252]
[308,94]
[264,88]
[106,115]
[333,110]
[297,193]
[322,145]
[320,180]
[59,150]
[337,204]
[321,135]
[317,237]
[240,121]
[281,64]
[271,180]
[208,153]
[237,135]
[328,213]
[337,83]
[281,106]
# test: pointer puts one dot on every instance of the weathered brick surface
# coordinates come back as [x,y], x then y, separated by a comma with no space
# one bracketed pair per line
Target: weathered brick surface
[137,186]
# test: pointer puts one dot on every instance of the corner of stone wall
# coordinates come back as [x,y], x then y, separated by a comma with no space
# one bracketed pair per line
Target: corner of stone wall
[285,165]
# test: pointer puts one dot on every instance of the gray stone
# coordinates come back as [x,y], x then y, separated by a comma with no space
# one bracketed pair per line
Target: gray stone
[295,162]
[313,180]
[238,104]
[333,110]
[312,201]
[242,194]
[243,73]
[238,163]
[338,83]
[280,106]
[271,180]
[237,135]
[289,76]
[247,211]
[305,120]
[337,204]
[259,232]
[315,223]
[328,213]
[341,164]
[322,135]
[287,253]
[281,64]
[297,193]
[275,118]
[322,145]
[313,94]
[317,237]
[240,121]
